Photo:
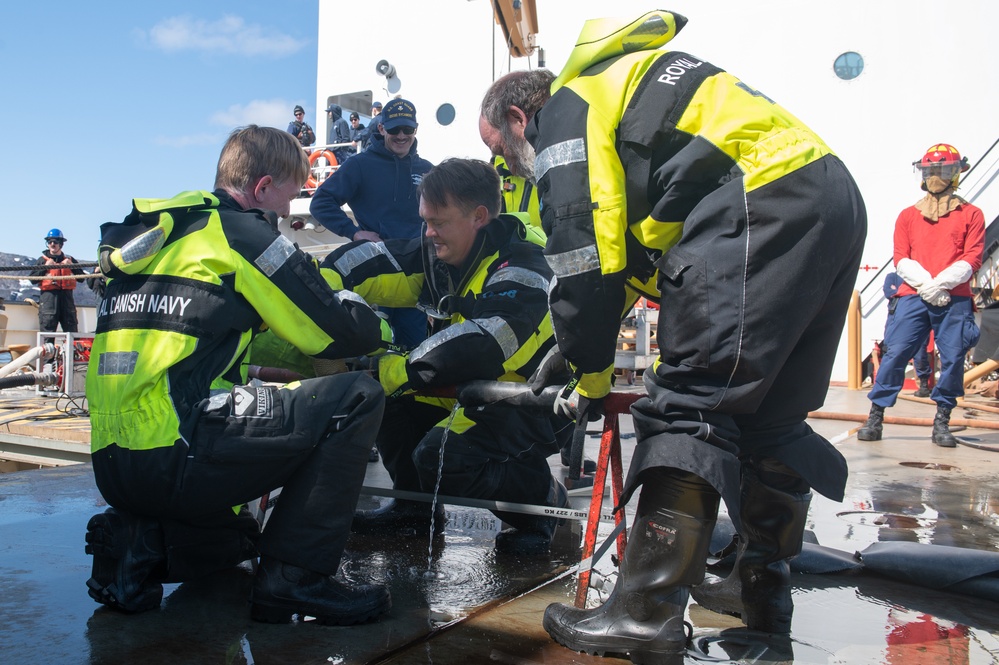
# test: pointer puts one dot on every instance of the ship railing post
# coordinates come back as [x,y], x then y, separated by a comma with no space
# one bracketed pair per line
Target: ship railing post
[854,378]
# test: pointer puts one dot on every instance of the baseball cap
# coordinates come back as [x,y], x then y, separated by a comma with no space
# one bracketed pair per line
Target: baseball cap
[398,113]
[376,105]
[299,109]
[354,116]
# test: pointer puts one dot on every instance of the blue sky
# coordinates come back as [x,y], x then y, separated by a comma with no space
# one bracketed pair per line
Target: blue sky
[108,101]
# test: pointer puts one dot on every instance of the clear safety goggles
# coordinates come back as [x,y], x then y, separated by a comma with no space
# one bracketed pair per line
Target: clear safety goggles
[945,171]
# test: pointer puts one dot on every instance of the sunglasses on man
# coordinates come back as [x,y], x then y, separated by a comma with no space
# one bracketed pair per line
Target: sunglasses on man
[405,129]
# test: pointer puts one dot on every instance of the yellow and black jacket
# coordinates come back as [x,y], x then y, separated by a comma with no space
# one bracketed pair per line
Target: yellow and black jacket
[490,314]
[519,194]
[632,140]
[190,281]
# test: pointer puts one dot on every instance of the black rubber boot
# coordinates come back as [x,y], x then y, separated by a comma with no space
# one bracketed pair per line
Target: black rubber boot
[128,556]
[759,587]
[871,431]
[941,428]
[400,518]
[667,546]
[281,590]
[923,390]
[534,538]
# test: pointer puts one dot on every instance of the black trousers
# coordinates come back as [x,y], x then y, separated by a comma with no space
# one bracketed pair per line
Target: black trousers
[313,439]
[501,456]
[750,320]
[57,308]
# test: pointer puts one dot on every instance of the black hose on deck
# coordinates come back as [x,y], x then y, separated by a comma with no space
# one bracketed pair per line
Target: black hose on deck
[28,379]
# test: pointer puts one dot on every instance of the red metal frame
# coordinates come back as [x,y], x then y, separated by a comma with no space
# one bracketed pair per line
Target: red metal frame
[610,452]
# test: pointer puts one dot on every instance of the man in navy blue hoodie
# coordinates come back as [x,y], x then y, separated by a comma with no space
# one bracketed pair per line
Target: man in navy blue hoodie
[379,185]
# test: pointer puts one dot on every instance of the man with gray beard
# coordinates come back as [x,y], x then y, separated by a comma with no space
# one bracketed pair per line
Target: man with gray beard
[655,169]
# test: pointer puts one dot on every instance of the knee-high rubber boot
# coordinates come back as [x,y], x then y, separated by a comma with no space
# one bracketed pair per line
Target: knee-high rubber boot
[871,431]
[759,587]
[941,428]
[128,559]
[643,617]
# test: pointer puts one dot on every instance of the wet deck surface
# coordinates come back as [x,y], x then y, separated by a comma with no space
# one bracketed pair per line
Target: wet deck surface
[469,605]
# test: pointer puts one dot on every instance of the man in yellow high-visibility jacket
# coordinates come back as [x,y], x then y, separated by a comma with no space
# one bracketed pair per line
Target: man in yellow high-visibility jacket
[662,175]
[191,280]
[482,279]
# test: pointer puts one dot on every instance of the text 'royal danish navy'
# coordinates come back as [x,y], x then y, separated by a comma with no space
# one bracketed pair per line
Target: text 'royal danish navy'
[141,302]
[678,69]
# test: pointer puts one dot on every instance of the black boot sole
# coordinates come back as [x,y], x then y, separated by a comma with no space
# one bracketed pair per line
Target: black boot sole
[631,649]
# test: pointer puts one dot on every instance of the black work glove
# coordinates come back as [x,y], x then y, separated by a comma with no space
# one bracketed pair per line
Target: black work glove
[553,370]
[591,409]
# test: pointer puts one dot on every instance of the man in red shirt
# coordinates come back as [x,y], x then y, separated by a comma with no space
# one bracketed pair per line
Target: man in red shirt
[938,247]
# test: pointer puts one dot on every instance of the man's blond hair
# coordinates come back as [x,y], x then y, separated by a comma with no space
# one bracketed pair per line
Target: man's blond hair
[252,152]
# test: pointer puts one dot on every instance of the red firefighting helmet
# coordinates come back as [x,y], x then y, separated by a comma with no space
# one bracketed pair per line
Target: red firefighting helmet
[942,155]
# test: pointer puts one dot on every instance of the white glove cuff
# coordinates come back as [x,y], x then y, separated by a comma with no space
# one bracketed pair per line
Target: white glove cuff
[953,275]
[914,274]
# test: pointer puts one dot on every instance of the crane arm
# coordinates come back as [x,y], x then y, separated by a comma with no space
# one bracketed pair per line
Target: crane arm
[519,21]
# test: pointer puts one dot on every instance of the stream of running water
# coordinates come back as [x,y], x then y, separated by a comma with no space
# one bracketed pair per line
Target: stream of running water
[437,486]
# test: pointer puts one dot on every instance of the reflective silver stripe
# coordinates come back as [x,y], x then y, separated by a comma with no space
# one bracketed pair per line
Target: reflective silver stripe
[502,333]
[574,262]
[117,362]
[147,244]
[560,154]
[349,296]
[363,252]
[496,327]
[444,336]
[275,256]
[528,278]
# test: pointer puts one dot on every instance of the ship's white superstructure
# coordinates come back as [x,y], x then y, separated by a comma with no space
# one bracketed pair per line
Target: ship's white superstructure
[926,78]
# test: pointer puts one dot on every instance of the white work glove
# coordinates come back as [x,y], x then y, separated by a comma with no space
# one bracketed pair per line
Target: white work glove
[914,274]
[953,275]
[934,294]
[570,404]
[567,406]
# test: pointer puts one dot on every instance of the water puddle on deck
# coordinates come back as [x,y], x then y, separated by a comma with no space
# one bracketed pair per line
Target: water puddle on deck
[454,609]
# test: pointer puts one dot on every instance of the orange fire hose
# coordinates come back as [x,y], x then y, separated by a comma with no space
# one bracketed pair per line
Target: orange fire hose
[961,403]
[899,420]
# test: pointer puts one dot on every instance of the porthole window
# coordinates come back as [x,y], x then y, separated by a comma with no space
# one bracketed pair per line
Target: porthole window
[445,114]
[849,65]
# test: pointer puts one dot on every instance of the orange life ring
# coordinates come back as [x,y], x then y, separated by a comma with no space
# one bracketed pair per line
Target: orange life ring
[313,182]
